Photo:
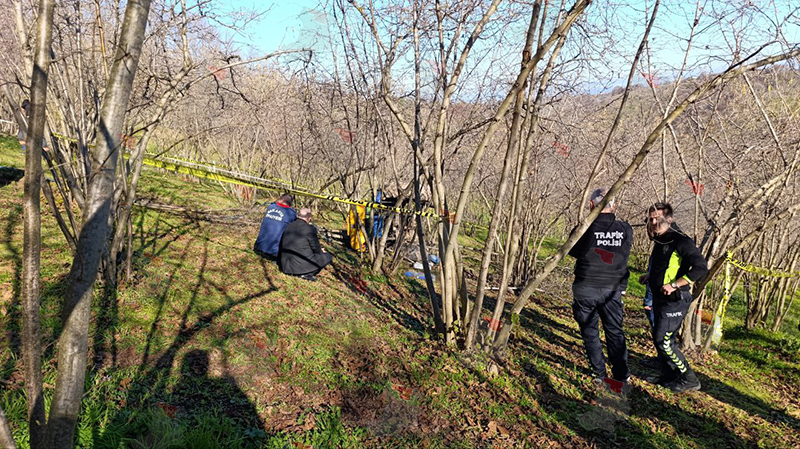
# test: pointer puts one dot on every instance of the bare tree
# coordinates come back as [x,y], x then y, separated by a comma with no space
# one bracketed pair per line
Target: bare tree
[73,341]
[31,280]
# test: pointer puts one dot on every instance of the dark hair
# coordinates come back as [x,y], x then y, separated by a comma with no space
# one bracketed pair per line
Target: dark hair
[25,103]
[665,209]
[287,199]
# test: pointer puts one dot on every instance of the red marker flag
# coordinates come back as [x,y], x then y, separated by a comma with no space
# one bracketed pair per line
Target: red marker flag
[696,187]
[493,323]
[562,149]
[651,79]
[219,74]
[347,136]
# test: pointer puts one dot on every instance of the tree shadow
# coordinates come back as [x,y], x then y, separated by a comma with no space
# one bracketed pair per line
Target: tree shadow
[195,392]
[748,404]
[157,236]
[13,318]
[356,285]
[700,428]
[602,418]
[185,331]
[104,338]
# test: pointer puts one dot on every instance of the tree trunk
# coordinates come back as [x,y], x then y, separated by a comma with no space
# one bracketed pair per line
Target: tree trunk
[501,342]
[93,238]
[509,160]
[440,320]
[6,439]
[31,280]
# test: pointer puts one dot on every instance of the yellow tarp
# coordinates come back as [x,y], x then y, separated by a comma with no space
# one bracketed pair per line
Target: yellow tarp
[358,241]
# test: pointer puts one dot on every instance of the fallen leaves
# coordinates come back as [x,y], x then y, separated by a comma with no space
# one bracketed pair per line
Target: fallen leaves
[358,284]
[169,410]
[404,392]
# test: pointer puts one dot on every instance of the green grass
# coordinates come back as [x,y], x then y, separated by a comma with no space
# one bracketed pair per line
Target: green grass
[209,346]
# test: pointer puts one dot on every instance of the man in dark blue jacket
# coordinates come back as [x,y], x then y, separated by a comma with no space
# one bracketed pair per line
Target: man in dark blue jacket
[601,277]
[278,215]
[676,264]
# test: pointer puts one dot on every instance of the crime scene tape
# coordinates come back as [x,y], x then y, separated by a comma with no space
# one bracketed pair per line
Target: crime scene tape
[221,175]
[719,316]
[219,166]
[204,164]
[760,270]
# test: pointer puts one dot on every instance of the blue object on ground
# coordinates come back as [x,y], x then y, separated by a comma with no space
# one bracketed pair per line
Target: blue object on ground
[418,275]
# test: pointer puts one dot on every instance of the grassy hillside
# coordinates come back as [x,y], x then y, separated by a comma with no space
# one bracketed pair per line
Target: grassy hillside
[210,346]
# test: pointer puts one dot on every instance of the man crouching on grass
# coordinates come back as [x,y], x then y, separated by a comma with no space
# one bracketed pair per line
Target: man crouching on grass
[676,264]
[300,252]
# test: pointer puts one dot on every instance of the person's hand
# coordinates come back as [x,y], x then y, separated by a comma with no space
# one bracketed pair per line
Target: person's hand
[324,251]
[667,289]
[648,307]
[643,278]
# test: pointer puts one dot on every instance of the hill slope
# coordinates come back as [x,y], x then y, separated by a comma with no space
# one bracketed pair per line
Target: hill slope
[210,346]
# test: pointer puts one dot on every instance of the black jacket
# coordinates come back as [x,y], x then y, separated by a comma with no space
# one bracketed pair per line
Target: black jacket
[300,251]
[675,256]
[601,255]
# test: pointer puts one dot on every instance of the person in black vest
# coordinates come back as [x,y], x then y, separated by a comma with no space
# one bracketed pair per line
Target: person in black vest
[676,264]
[601,277]
[300,252]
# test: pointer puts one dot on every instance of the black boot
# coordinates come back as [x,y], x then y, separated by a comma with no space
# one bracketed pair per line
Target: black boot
[687,381]
[664,378]
[651,363]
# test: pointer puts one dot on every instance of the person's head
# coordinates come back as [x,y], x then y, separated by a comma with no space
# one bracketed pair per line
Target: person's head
[597,196]
[304,214]
[195,363]
[287,199]
[659,218]
[25,104]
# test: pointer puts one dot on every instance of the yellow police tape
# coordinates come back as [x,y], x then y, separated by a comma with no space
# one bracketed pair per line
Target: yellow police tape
[719,316]
[760,270]
[215,165]
[212,174]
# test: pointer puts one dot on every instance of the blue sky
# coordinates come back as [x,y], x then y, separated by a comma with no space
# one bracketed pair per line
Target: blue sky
[280,28]
[287,25]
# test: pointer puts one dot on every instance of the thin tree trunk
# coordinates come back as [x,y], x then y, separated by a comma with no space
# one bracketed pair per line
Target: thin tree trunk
[6,439]
[73,342]
[31,246]
[440,321]
[607,145]
[501,342]
[508,161]
[512,243]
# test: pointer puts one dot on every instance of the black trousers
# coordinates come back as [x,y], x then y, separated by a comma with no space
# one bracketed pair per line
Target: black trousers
[669,314]
[590,304]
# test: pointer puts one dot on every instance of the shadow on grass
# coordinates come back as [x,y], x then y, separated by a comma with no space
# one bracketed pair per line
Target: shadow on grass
[611,426]
[748,404]
[357,286]
[700,429]
[12,323]
[196,396]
